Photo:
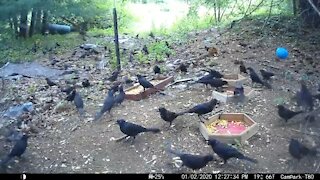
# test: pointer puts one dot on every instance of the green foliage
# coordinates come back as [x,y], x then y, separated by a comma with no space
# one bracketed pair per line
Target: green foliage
[19,50]
[158,51]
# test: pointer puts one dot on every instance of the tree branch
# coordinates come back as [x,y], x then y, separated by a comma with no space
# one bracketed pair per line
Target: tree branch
[314,7]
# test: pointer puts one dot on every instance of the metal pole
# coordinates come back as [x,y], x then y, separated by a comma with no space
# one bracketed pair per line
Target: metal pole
[116,36]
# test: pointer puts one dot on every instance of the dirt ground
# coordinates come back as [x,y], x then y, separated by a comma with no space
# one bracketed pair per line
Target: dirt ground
[67,145]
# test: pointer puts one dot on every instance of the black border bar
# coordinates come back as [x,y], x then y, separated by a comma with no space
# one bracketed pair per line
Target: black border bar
[159,176]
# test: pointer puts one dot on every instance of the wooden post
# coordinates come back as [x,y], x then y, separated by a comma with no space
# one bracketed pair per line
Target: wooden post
[116,37]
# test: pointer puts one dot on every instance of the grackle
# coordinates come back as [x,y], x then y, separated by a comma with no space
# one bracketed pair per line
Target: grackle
[243,68]
[266,75]
[167,115]
[298,150]
[107,105]
[183,68]
[256,79]
[18,149]
[226,152]
[71,95]
[50,83]
[114,75]
[203,108]
[192,161]
[156,70]
[285,113]
[215,82]
[78,102]
[145,83]
[120,97]
[85,83]
[132,130]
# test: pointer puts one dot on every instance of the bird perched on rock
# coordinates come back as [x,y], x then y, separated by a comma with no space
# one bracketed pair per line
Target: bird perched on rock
[18,149]
[145,83]
[167,115]
[256,79]
[226,152]
[298,150]
[266,75]
[192,161]
[132,130]
[156,70]
[203,108]
[107,105]
[285,113]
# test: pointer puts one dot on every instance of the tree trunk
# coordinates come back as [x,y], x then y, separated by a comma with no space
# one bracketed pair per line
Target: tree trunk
[38,22]
[24,24]
[11,23]
[309,16]
[32,23]
[294,7]
[44,22]
[15,24]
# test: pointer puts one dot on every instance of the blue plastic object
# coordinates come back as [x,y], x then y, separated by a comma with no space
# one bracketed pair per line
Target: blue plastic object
[16,111]
[282,53]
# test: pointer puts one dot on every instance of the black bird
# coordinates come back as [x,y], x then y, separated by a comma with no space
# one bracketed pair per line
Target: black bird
[212,74]
[85,83]
[132,130]
[156,70]
[18,149]
[50,83]
[67,90]
[256,79]
[226,152]
[304,97]
[203,108]
[115,87]
[145,83]
[78,102]
[114,75]
[316,96]
[285,113]
[107,105]
[151,35]
[298,150]
[71,95]
[183,68]
[192,161]
[214,82]
[266,75]
[145,50]
[243,68]
[120,97]
[167,115]
[215,74]
[238,91]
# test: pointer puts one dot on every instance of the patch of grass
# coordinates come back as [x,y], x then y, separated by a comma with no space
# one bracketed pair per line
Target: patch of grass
[20,50]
